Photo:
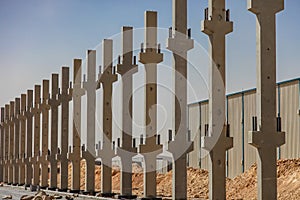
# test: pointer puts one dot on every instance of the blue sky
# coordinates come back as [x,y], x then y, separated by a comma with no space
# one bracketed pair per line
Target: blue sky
[37,37]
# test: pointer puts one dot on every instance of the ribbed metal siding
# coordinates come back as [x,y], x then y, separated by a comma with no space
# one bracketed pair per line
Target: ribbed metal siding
[235,122]
[250,111]
[204,120]
[194,125]
[289,108]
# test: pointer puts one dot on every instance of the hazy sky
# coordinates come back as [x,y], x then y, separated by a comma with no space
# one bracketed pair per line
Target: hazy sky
[38,37]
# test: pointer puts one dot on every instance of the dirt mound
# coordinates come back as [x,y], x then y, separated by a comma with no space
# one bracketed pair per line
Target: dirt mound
[241,187]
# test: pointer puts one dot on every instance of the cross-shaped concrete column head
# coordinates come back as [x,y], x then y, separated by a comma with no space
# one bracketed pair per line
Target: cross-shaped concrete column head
[260,6]
[109,75]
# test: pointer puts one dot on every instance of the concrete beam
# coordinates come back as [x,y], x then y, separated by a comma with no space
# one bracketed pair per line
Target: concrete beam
[22,152]
[89,153]
[29,120]
[74,154]
[127,151]
[2,145]
[150,58]
[216,25]
[16,121]
[267,138]
[179,43]
[45,107]
[54,103]
[11,142]
[107,78]
[6,142]
[65,97]
[36,111]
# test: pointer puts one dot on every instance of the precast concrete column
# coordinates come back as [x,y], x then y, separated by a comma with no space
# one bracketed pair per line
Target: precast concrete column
[22,151]
[16,164]
[217,25]
[2,145]
[106,153]
[266,137]
[88,153]
[65,97]
[6,141]
[74,151]
[150,57]
[36,111]
[28,150]
[42,159]
[11,142]
[127,151]
[179,43]
[54,103]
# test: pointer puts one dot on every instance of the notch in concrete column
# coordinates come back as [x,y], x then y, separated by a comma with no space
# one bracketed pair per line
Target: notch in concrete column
[74,153]
[54,102]
[16,164]
[180,42]
[36,111]
[106,153]
[22,150]
[2,145]
[28,150]
[127,150]
[11,142]
[65,97]
[268,136]
[90,86]
[150,58]
[217,25]
[42,159]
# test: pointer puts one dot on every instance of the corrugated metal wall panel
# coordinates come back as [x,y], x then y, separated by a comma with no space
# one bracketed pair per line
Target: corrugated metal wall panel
[289,111]
[250,111]
[235,122]
[194,125]
[289,106]
[204,120]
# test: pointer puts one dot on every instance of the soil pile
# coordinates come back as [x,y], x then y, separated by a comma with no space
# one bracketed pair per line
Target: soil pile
[241,187]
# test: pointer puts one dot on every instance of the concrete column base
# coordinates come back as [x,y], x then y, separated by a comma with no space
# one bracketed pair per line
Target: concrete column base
[107,194]
[75,191]
[44,173]
[52,188]
[126,170]
[10,175]
[15,174]
[61,190]
[150,198]
[21,174]
[126,196]
[53,172]
[36,173]
[33,188]
[90,172]
[63,176]
[217,147]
